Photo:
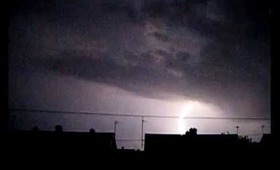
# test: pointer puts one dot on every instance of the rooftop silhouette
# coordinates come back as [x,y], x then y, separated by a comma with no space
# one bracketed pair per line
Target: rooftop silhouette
[160,149]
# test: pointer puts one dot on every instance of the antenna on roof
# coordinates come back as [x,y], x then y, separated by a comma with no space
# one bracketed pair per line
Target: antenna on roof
[237,127]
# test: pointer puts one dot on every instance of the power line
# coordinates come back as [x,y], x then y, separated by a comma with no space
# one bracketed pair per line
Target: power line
[129,140]
[138,116]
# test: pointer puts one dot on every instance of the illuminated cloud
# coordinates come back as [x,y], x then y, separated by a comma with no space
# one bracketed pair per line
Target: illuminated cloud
[167,51]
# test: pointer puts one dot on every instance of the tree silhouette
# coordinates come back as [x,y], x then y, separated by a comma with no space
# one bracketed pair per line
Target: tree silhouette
[58,128]
[35,129]
[192,131]
[92,130]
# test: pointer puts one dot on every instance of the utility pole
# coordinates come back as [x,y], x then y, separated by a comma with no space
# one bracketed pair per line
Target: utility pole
[142,132]
[115,127]
[262,129]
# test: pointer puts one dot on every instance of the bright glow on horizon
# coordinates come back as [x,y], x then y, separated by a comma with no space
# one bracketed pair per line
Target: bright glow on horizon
[196,109]
[190,107]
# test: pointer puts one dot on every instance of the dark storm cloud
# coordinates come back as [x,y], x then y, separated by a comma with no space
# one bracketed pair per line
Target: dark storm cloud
[140,76]
[204,50]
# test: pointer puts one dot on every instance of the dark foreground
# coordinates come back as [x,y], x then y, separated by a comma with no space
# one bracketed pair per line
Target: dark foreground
[52,149]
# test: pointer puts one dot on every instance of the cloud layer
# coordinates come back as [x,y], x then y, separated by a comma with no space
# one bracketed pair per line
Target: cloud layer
[209,51]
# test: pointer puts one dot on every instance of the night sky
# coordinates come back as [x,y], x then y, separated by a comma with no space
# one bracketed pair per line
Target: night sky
[143,57]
